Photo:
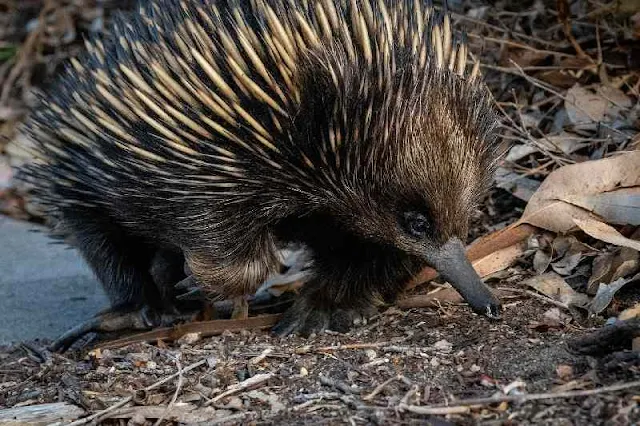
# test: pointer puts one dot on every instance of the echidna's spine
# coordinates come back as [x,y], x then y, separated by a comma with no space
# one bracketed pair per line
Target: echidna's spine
[200,97]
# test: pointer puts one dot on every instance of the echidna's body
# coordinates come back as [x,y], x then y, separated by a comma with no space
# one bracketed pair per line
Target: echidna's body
[222,129]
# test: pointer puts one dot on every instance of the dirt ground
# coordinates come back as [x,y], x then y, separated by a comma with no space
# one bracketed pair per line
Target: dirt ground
[383,372]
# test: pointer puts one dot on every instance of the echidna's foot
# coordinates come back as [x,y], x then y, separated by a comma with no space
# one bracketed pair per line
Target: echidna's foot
[118,320]
[303,320]
[189,290]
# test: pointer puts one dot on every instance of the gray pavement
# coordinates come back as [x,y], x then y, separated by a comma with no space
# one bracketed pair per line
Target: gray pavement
[45,288]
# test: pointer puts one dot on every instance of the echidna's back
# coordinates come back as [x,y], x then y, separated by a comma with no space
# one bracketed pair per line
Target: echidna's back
[229,100]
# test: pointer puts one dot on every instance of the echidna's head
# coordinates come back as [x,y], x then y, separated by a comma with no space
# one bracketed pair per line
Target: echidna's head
[409,159]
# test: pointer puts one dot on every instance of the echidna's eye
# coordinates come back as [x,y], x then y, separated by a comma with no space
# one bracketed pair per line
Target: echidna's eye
[416,224]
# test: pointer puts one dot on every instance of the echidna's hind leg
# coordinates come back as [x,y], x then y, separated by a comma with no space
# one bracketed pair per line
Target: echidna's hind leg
[138,278]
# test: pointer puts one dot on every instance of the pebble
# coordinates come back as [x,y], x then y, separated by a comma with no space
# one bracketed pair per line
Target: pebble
[443,345]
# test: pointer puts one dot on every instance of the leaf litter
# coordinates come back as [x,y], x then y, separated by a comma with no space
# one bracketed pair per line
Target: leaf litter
[557,238]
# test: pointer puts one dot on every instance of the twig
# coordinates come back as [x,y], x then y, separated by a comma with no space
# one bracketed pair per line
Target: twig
[175,394]
[504,31]
[410,393]
[379,388]
[537,296]
[520,45]
[261,357]
[465,405]
[537,83]
[437,411]
[128,399]
[246,384]
[337,384]
[563,18]
[376,345]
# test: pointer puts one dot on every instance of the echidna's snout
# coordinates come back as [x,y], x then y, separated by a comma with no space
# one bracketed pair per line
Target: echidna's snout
[451,262]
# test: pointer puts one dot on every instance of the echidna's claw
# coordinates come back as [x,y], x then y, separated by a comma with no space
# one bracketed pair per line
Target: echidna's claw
[303,320]
[189,290]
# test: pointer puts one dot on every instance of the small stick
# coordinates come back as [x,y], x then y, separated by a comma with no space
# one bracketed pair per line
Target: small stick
[464,405]
[379,388]
[438,411]
[175,394]
[250,382]
[337,384]
[563,17]
[537,296]
[410,393]
[343,347]
[261,357]
[128,399]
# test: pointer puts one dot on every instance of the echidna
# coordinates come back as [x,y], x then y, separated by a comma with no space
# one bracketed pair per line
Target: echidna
[215,132]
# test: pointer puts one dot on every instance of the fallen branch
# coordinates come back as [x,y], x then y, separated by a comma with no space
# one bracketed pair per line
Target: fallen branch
[463,406]
[204,328]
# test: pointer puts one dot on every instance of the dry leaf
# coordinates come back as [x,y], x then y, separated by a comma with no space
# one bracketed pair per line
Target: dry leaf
[605,294]
[519,186]
[519,151]
[553,286]
[627,7]
[541,261]
[584,106]
[619,207]
[561,78]
[498,260]
[549,208]
[600,272]
[524,57]
[567,264]
[628,263]
[615,96]
[569,244]
[606,233]
[564,142]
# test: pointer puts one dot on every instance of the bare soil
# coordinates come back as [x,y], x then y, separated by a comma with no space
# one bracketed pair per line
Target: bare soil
[427,357]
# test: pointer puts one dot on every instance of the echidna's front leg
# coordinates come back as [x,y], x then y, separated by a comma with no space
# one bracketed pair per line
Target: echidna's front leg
[319,308]
[345,292]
